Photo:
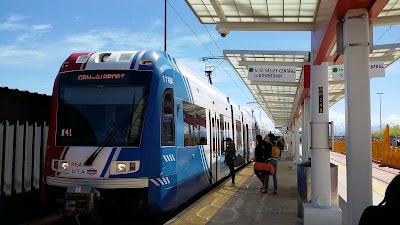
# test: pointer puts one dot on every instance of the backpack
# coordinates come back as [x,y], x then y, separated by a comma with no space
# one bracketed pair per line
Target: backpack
[275,151]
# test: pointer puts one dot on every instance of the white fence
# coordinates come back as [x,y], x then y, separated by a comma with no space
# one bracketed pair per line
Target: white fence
[22,151]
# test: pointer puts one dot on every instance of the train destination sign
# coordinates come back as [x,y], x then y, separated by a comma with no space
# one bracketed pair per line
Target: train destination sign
[377,69]
[272,73]
[101,76]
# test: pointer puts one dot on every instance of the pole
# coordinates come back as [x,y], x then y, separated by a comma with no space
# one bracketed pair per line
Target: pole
[380,111]
[165,25]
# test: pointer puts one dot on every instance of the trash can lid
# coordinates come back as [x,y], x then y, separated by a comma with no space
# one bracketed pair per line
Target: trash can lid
[305,164]
[308,164]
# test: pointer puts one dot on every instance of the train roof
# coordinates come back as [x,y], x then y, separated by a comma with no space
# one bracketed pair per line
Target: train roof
[191,75]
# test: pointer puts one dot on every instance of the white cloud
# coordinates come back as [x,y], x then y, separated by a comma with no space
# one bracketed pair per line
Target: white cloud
[181,42]
[391,119]
[41,27]
[12,23]
[112,39]
[337,118]
[29,32]
[10,52]
[157,23]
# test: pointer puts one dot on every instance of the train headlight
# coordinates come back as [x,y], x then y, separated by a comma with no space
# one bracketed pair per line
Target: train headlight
[64,165]
[120,167]
[61,166]
[124,167]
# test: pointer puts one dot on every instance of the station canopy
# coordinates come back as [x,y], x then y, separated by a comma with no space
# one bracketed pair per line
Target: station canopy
[278,98]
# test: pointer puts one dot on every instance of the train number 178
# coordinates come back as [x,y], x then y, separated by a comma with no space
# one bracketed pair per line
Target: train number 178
[168,80]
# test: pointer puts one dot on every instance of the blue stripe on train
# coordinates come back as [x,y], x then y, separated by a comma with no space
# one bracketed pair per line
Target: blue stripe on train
[108,162]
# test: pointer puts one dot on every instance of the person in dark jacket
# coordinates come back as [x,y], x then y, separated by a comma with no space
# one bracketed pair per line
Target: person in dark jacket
[274,162]
[272,138]
[229,156]
[260,157]
[279,143]
[386,212]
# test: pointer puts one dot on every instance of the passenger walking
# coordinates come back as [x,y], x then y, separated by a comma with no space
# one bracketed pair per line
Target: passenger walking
[279,143]
[274,162]
[386,212]
[229,156]
[260,158]
[272,138]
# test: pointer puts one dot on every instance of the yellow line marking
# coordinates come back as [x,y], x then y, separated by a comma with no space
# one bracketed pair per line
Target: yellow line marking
[209,205]
[377,186]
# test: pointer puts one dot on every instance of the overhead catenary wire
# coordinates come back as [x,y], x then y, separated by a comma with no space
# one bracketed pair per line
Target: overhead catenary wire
[207,48]
[224,67]
[396,40]
[383,34]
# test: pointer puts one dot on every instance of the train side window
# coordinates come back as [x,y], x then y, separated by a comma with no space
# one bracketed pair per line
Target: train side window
[167,127]
[194,120]
[201,124]
[238,134]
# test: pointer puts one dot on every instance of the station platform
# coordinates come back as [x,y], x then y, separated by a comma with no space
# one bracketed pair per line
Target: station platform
[245,204]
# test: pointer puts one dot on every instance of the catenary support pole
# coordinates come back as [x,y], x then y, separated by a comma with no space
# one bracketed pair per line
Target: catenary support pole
[358,113]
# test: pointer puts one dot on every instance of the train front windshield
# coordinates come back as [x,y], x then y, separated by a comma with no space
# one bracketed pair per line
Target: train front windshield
[101,108]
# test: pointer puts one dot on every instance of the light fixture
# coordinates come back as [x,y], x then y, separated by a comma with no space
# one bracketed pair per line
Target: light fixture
[105,57]
[120,167]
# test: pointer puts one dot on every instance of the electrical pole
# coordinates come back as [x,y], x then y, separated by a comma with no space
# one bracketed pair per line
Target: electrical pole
[380,111]
[165,25]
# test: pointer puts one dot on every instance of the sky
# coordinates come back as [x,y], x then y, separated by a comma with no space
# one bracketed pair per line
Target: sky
[37,36]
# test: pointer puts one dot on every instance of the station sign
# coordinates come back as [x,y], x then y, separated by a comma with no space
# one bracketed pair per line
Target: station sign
[377,69]
[272,73]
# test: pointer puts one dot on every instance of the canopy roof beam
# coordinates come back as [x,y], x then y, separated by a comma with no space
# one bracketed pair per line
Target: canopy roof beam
[265,26]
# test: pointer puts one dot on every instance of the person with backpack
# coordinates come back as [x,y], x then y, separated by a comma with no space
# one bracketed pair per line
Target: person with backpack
[229,157]
[273,161]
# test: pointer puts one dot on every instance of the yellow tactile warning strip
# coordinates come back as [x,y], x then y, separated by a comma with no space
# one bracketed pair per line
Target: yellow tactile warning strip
[205,208]
[376,186]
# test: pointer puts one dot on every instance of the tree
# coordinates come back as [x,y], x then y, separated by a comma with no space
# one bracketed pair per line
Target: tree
[394,131]
[378,134]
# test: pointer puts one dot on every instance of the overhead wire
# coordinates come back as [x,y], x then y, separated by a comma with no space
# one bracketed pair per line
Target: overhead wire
[250,100]
[207,48]
[396,40]
[188,26]
[230,76]
[383,34]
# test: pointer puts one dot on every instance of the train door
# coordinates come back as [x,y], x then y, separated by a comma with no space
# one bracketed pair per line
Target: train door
[239,138]
[219,140]
[219,156]
[213,149]
[246,142]
[223,169]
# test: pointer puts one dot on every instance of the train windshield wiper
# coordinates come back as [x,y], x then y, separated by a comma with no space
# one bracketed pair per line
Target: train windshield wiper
[111,137]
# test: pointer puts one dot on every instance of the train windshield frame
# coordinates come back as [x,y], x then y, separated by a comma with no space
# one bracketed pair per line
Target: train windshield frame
[102,108]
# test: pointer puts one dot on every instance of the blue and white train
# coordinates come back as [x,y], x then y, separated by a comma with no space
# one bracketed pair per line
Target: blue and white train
[137,130]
